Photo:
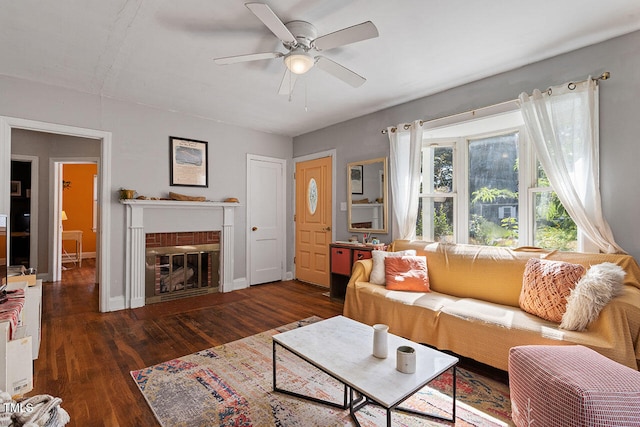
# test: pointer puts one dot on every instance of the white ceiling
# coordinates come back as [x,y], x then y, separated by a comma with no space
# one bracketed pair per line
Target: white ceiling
[159,52]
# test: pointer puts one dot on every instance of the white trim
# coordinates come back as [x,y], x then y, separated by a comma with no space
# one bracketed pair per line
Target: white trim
[33,217]
[239,283]
[283,207]
[327,153]
[55,229]
[103,265]
[471,115]
[55,188]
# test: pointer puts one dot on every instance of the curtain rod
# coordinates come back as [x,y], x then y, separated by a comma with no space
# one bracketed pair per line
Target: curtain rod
[571,85]
[406,126]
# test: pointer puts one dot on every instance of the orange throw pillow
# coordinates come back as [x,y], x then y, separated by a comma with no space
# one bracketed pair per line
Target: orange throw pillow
[407,273]
[546,286]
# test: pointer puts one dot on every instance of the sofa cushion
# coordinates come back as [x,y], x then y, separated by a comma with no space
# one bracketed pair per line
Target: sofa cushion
[593,291]
[407,273]
[546,286]
[377,272]
[485,273]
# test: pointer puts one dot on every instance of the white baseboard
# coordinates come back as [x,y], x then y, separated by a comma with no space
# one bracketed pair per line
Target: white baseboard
[288,275]
[70,257]
[116,303]
[46,277]
[240,283]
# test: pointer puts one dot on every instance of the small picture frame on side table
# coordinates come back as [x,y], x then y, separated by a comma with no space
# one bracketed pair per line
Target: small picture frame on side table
[16,188]
[356,179]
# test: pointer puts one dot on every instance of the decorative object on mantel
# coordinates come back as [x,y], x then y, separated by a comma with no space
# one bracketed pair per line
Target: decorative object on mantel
[185,198]
[126,194]
[141,197]
[231,200]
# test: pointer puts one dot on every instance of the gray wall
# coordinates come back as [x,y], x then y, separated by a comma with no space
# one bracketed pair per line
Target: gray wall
[360,138]
[140,148]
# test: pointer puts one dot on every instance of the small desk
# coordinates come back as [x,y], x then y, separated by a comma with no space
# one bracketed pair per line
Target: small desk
[75,235]
[343,256]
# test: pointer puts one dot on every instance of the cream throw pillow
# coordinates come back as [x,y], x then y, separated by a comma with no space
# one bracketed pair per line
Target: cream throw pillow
[596,288]
[377,276]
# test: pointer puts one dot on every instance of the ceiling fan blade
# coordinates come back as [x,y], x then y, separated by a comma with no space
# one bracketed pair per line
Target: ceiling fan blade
[337,70]
[271,20]
[246,58]
[288,83]
[364,31]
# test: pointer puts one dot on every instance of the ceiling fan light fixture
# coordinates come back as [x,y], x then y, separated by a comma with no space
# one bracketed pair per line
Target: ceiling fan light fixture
[299,61]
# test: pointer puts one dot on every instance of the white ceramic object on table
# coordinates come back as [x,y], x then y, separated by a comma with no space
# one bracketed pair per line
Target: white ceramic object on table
[380,339]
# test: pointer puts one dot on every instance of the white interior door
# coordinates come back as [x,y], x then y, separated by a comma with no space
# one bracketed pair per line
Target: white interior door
[265,219]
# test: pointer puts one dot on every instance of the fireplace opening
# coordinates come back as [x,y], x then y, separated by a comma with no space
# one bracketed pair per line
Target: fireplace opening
[181,271]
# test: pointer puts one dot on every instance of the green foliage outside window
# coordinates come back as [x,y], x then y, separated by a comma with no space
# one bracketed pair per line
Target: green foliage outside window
[442,228]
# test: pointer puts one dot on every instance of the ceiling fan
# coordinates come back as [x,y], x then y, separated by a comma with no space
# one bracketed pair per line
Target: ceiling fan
[300,38]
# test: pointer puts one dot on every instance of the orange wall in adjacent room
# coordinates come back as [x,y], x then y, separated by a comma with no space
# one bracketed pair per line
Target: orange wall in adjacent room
[77,202]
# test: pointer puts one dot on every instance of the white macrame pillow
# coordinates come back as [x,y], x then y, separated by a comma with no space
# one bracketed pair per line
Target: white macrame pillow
[377,276]
[594,290]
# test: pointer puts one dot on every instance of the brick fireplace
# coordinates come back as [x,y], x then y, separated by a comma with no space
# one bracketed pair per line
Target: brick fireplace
[181,265]
[170,216]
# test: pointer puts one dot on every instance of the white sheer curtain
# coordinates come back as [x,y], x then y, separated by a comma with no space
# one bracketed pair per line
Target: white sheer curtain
[405,176]
[563,125]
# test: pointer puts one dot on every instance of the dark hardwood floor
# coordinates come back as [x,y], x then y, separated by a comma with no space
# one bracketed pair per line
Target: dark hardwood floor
[86,356]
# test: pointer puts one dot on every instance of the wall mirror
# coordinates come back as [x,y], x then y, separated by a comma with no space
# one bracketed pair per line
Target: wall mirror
[367,195]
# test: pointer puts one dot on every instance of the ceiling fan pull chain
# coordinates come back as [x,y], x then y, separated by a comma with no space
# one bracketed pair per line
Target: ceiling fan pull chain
[306,108]
[290,86]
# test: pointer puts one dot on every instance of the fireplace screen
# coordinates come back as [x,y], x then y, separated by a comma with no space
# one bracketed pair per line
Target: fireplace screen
[181,271]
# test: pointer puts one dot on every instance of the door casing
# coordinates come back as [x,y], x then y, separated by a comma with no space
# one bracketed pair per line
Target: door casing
[104,190]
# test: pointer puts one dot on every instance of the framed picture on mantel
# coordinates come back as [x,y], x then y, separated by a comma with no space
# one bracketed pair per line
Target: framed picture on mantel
[189,162]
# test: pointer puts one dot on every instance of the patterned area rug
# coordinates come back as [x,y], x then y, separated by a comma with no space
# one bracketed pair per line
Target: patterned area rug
[232,385]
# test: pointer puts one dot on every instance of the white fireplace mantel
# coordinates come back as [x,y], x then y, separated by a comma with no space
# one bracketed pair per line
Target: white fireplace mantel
[138,224]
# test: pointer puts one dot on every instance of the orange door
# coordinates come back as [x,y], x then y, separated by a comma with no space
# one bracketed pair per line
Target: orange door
[313,220]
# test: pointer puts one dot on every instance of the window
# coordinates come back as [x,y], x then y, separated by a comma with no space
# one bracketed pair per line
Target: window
[481,184]
[553,227]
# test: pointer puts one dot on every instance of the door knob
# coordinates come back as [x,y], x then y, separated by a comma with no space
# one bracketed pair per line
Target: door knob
[326,229]
[254,228]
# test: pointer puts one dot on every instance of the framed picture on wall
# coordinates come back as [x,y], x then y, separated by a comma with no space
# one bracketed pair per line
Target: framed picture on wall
[16,188]
[189,162]
[356,180]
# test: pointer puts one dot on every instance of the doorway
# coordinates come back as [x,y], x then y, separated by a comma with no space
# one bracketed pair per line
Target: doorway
[24,210]
[7,124]
[76,190]
[315,216]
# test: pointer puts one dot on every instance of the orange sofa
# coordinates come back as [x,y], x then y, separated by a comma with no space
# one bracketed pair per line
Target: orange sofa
[472,309]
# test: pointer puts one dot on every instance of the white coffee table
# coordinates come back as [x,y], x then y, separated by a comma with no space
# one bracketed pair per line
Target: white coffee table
[342,348]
